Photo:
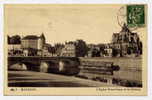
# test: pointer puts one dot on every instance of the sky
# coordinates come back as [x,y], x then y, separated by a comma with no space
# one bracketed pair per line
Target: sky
[60,23]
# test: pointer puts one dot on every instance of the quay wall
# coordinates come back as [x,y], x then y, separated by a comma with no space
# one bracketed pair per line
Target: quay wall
[130,68]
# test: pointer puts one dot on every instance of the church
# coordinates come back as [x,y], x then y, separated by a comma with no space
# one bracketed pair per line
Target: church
[126,43]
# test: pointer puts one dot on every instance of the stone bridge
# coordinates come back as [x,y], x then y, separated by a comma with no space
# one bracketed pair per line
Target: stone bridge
[64,65]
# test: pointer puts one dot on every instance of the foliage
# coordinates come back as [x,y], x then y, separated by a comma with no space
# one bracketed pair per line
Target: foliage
[95,53]
[16,39]
[58,47]
[115,52]
[81,48]
[51,49]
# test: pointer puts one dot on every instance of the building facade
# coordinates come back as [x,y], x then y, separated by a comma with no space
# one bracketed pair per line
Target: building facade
[33,41]
[32,44]
[14,50]
[108,50]
[69,50]
[126,42]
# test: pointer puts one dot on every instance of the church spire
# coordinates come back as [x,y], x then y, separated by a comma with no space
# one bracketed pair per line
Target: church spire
[125,28]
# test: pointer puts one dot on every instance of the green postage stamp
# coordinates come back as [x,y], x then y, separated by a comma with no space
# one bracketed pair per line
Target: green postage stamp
[135,15]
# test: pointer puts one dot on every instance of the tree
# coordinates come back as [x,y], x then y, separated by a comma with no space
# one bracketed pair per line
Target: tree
[129,50]
[115,52]
[95,53]
[16,39]
[81,48]
[8,39]
[102,48]
[51,50]
[140,47]
[58,47]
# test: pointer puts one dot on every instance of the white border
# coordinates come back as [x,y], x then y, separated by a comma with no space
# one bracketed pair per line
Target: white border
[149,2]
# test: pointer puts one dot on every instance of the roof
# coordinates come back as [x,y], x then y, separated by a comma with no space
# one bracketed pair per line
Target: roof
[125,28]
[115,34]
[30,37]
[42,36]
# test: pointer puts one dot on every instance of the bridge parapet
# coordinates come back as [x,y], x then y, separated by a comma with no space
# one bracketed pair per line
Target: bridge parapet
[65,65]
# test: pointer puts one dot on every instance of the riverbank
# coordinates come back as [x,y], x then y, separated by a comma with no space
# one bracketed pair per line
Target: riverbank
[39,79]
[130,69]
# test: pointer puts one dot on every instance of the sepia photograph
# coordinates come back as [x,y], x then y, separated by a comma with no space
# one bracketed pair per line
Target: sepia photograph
[75,46]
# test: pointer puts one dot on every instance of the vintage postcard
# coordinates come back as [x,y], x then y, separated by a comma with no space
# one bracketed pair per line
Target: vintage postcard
[75,49]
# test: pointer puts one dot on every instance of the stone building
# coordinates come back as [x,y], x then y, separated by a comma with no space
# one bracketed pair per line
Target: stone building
[69,50]
[14,49]
[108,50]
[33,43]
[76,48]
[126,42]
